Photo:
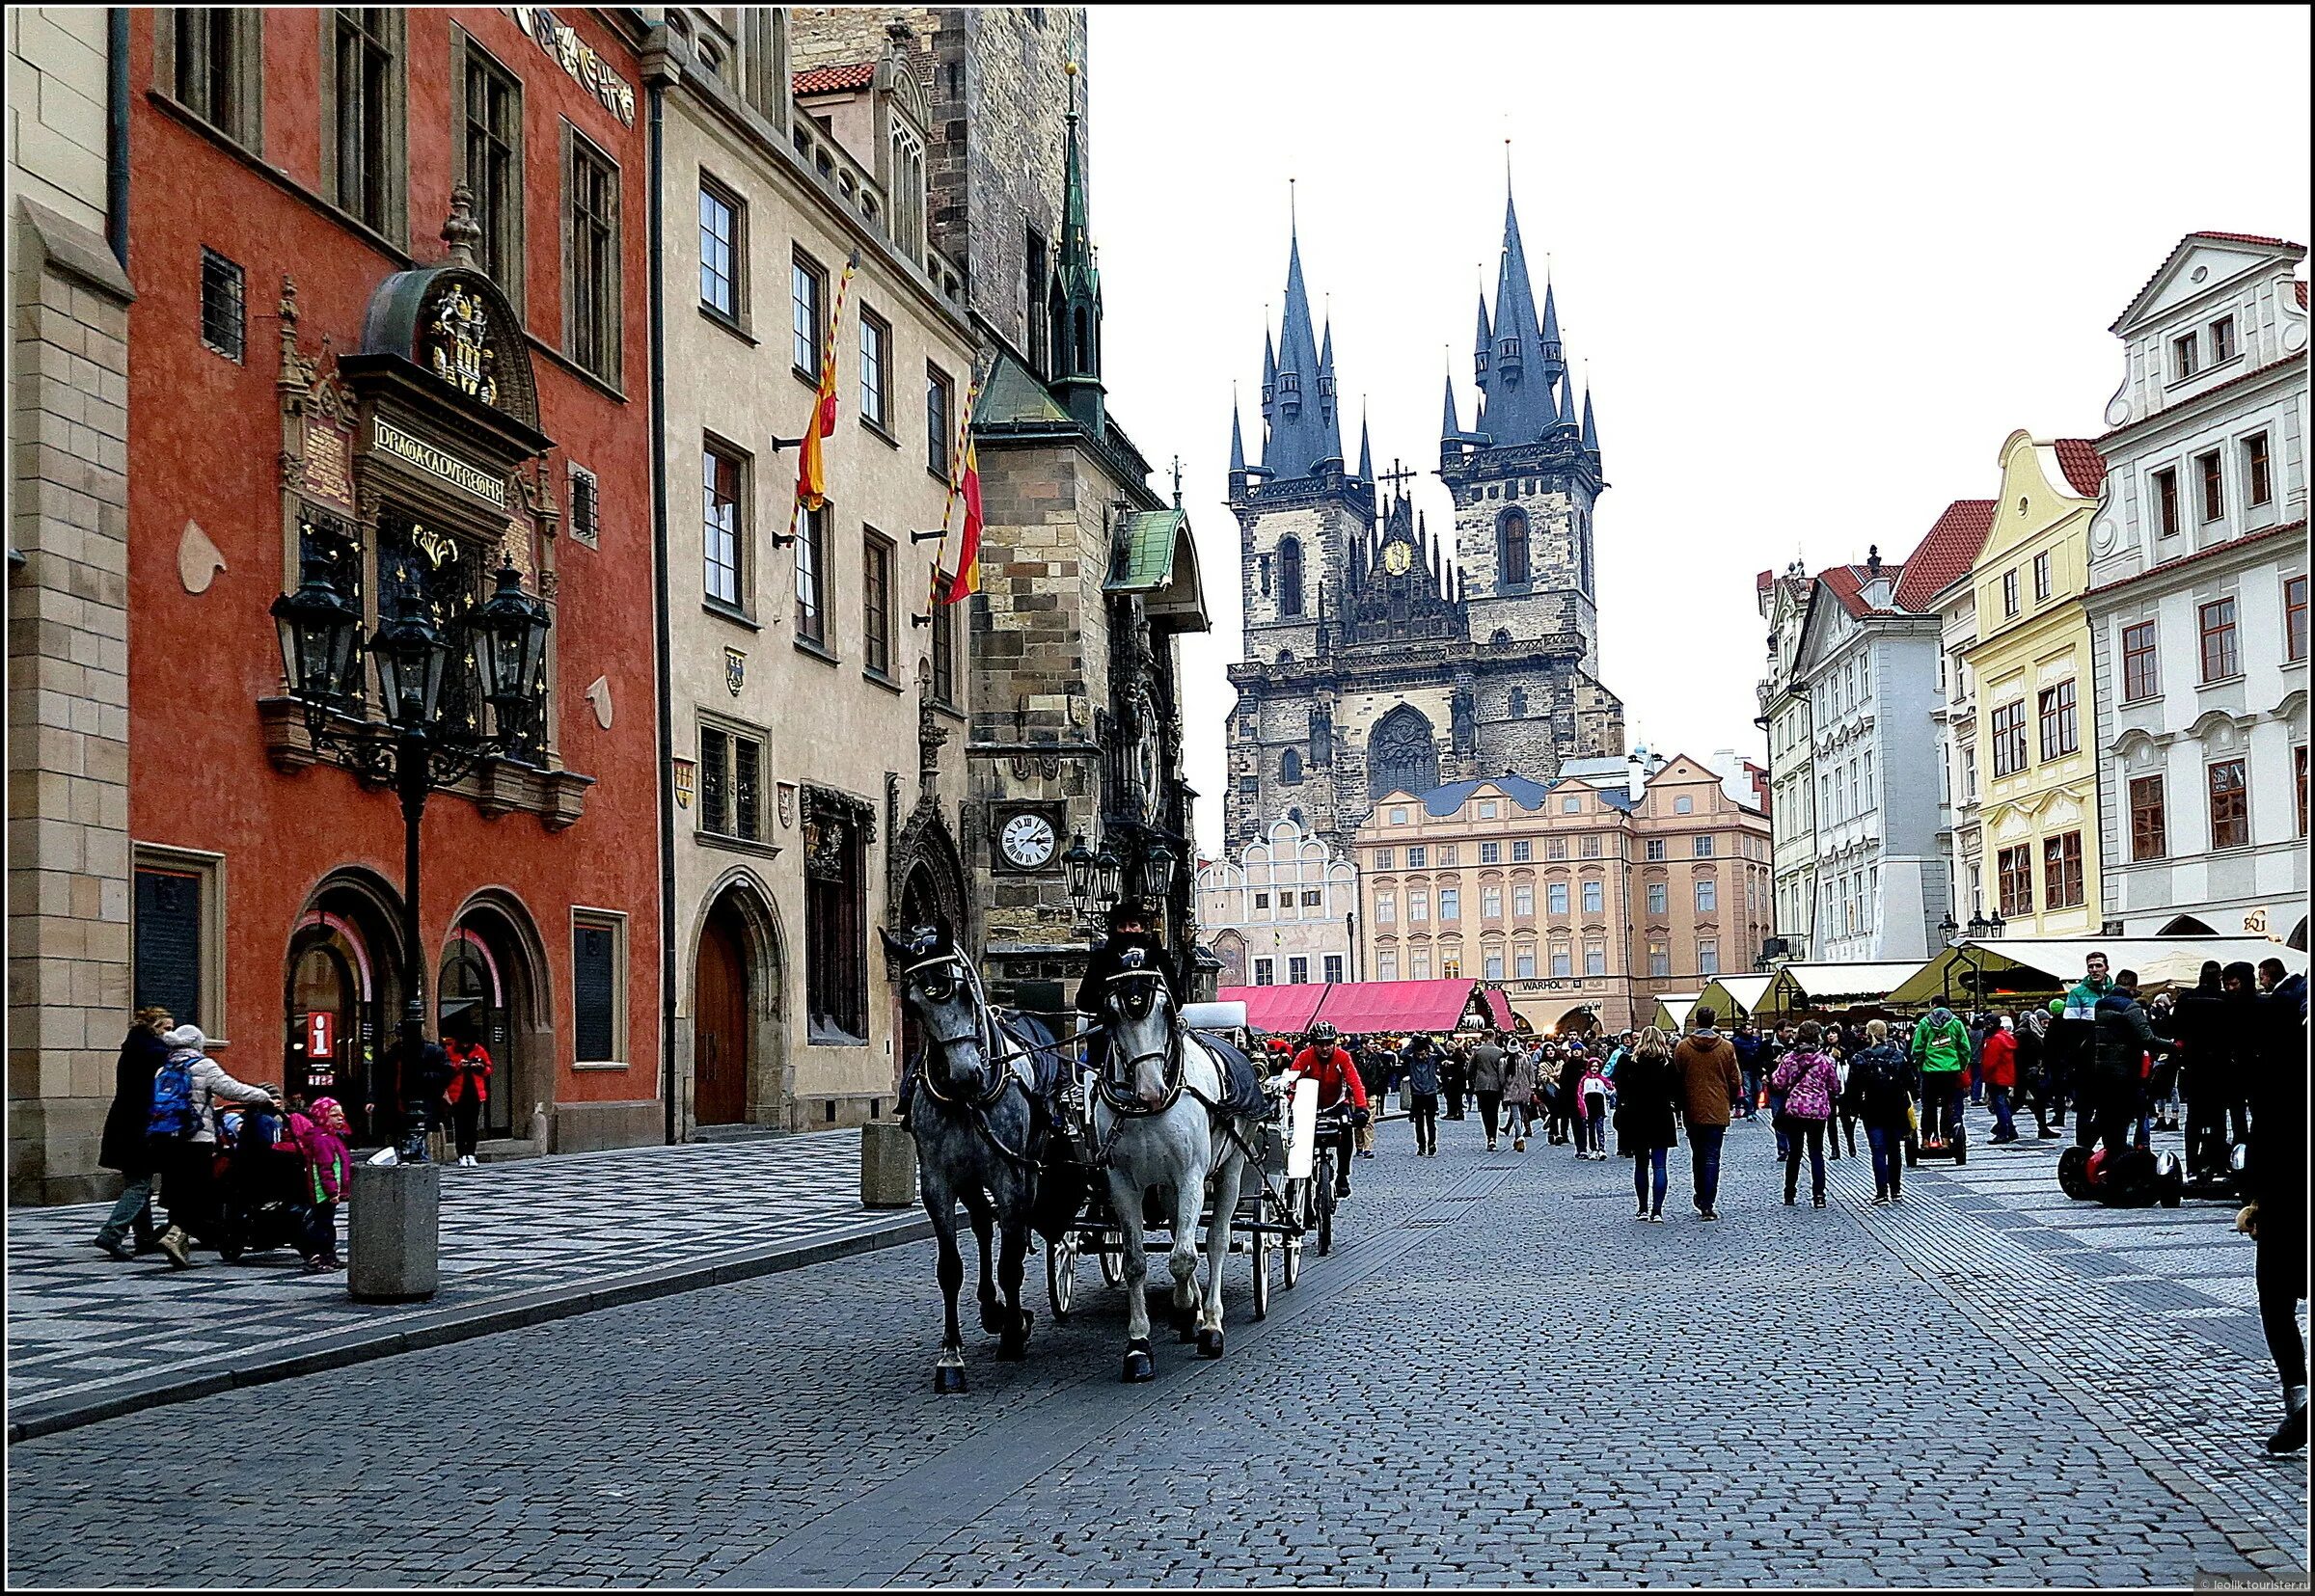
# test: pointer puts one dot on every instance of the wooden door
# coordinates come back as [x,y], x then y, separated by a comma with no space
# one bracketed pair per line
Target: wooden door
[720,1029]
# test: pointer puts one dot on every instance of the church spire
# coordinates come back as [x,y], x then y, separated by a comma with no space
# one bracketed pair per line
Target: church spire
[1517,403]
[1238,441]
[1076,304]
[1566,399]
[1590,432]
[1302,433]
[1366,449]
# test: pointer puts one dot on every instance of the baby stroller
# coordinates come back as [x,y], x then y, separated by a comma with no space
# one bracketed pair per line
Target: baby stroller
[263,1197]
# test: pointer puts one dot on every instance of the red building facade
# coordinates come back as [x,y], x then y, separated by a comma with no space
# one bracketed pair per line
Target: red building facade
[392,328]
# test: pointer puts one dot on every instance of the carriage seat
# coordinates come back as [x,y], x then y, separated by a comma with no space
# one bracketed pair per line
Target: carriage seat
[1241,1083]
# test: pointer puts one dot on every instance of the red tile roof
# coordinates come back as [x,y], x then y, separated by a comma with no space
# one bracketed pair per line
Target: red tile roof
[1946,553]
[1847,584]
[2231,546]
[1767,580]
[2299,289]
[2246,238]
[821,80]
[2084,467]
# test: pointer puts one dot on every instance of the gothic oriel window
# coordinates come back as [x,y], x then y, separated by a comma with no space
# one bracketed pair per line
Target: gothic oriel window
[1403,754]
[835,923]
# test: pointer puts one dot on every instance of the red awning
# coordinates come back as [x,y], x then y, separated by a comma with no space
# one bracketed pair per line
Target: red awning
[1366,1006]
[1500,1007]
[1282,1010]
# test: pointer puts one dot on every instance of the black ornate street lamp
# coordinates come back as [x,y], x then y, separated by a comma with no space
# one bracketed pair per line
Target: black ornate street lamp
[1108,880]
[1079,866]
[410,749]
[1158,873]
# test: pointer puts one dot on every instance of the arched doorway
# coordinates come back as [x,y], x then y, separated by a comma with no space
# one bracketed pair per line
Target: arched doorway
[738,1022]
[2186,925]
[492,980]
[343,985]
[2299,935]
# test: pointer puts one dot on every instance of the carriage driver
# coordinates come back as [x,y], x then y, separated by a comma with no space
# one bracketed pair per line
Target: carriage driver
[1128,929]
[1326,1061]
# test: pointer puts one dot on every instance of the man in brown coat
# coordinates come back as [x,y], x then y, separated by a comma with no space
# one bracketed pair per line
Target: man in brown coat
[1705,1065]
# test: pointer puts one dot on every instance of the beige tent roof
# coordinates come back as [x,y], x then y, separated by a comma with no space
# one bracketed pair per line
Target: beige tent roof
[1730,995]
[1672,1009]
[1829,983]
[2042,967]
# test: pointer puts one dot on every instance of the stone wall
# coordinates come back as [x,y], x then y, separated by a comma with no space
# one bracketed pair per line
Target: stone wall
[68,870]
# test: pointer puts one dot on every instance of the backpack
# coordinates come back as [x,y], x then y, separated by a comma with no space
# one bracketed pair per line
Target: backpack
[174,1117]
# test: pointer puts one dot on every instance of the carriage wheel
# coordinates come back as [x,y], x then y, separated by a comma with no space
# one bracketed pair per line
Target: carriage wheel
[1113,1266]
[1061,1276]
[1290,1265]
[1259,1252]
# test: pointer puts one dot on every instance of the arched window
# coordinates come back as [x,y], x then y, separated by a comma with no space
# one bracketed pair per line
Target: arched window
[1401,753]
[1510,549]
[1518,705]
[1290,768]
[1502,635]
[1290,576]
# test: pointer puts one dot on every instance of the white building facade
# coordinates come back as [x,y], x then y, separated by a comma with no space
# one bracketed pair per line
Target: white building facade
[1955,716]
[1785,715]
[2198,598]
[1868,671]
[1282,913]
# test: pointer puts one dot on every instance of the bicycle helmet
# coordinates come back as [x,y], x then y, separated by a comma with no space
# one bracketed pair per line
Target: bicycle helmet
[1323,1034]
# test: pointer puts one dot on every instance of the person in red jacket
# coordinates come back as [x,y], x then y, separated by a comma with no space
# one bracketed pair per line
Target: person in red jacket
[469,1086]
[1328,1062]
[2001,1073]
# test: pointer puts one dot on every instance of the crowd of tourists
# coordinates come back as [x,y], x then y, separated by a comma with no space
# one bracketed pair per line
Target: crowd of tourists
[2224,1061]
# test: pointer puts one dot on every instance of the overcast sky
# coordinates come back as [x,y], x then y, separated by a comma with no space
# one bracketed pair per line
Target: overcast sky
[1818,263]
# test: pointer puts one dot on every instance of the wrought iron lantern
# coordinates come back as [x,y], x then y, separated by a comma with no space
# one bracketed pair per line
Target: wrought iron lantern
[1949,928]
[1108,880]
[319,630]
[1079,864]
[510,648]
[1157,872]
[410,653]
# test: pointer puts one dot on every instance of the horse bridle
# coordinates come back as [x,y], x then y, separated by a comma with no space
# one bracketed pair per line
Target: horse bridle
[1117,1074]
[984,1032]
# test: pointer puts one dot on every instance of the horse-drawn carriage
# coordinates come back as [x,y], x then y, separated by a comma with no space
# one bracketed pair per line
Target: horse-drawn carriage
[1273,1216]
[1154,1129]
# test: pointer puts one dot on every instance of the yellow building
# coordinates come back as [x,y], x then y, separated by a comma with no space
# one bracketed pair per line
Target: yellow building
[2036,736]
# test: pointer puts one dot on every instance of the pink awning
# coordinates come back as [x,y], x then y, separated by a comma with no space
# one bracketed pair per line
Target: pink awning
[1500,1007]
[1366,1006]
[1282,1011]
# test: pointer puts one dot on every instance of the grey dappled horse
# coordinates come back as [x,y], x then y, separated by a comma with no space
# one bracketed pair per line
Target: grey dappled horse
[1164,1118]
[981,1116]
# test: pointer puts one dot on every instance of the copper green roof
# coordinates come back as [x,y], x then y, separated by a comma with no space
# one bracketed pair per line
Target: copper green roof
[1156,557]
[1013,394]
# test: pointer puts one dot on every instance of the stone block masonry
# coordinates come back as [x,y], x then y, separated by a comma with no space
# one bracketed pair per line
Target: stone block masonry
[69,859]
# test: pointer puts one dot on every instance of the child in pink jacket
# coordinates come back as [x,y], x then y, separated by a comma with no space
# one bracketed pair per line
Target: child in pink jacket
[321,1138]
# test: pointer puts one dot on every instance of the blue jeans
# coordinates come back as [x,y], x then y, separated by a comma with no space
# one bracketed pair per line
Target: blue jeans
[134,1209]
[1889,1158]
[1641,1162]
[1751,1091]
[1704,1160]
[1776,1119]
[2004,1129]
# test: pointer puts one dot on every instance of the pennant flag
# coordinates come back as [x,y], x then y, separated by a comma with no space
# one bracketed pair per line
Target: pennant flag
[967,579]
[811,469]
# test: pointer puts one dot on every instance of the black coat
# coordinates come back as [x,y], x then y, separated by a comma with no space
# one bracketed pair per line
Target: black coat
[2278,1115]
[1110,958]
[125,1147]
[1647,1093]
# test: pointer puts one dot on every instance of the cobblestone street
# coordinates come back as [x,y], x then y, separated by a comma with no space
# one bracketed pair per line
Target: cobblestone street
[1497,1377]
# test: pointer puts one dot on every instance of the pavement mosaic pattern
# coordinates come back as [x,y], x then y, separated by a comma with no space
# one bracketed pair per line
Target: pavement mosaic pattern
[80,1323]
[1498,1378]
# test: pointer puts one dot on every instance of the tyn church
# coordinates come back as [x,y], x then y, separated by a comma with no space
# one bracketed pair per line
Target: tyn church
[1380,657]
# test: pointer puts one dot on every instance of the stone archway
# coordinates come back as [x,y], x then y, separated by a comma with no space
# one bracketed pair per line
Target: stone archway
[736,1068]
[345,978]
[493,976]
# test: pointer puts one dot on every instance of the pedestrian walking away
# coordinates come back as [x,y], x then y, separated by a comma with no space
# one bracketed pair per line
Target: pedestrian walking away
[1519,1095]
[1880,1088]
[1709,1084]
[2275,1217]
[1941,1054]
[1810,1082]
[183,1126]
[1647,1095]
[1490,1068]
[126,1147]
[2000,1067]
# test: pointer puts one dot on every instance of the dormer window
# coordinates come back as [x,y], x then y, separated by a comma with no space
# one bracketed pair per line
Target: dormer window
[2183,361]
[1508,349]
[2223,340]
[1290,382]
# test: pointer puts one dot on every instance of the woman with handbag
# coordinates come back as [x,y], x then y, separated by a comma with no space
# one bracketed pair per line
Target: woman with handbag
[1647,1119]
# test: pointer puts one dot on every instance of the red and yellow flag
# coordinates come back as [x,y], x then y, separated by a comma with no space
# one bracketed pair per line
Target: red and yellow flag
[967,579]
[811,469]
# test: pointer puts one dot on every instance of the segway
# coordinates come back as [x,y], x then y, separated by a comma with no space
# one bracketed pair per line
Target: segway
[1919,1145]
[2135,1177]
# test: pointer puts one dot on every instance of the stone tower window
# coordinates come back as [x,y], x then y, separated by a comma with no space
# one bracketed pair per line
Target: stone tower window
[1290,768]
[1511,549]
[1290,576]
[1518,704]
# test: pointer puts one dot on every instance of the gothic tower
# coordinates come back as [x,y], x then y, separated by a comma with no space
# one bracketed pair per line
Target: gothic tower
[1303,522]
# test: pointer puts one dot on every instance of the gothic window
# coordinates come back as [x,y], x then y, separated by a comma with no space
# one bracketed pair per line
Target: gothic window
[1502,634]
[1518,704]
[1511,549]
[1290,576]
[835,923]
[1583,552]
[1290,768]
[1401,753]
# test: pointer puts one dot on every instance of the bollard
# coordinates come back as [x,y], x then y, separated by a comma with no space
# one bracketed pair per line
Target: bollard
[394,1236]
[888,1165]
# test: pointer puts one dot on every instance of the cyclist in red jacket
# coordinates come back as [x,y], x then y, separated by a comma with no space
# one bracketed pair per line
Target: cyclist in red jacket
[1328,1063]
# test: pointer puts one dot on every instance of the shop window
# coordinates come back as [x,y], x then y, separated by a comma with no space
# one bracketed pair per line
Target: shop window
[592,321]
[598,988]
[835,924]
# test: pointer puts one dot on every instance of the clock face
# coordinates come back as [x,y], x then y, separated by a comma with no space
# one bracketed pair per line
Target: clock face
[1027,840]
[1397,558]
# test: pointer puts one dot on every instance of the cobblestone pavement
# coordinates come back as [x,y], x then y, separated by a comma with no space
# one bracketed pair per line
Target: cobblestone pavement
[1498,1377]
[81,1325]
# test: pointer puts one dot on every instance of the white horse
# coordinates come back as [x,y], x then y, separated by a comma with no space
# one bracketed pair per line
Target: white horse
[1162,1120]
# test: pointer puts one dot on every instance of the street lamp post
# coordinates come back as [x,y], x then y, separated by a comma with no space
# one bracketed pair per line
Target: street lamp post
[411,749]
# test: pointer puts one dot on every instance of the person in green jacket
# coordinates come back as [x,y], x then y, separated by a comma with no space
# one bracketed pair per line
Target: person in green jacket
[1941,1051]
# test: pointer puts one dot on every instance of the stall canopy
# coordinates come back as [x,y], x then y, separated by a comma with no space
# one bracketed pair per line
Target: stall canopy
[1832,986]
[2046,966]
[1733,997]
[1672,1009]
[1361,1008]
